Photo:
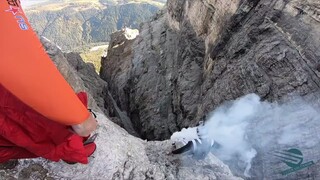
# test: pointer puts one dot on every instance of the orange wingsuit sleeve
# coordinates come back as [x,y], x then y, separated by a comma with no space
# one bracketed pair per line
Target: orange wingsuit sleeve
[28,73]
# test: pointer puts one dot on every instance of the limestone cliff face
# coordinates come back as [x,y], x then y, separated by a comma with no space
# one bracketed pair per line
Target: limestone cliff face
[196,54]
[117,65]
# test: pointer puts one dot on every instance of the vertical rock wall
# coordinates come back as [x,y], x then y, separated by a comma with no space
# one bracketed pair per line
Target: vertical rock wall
[196,54]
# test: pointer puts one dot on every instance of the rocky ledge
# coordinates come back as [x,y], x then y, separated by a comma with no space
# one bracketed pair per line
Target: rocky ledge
[119,155]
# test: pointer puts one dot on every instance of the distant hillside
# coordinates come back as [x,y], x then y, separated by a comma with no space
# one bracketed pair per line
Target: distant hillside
[80,24]
[37,3]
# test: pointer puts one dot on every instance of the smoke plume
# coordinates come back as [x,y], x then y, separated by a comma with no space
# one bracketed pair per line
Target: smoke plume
[241,126]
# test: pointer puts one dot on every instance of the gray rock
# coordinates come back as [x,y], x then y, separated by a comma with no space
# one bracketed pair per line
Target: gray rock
[86,71]
[83,77]
[195,55]
[119,155]
[70,74]
[122,156]
[115,68]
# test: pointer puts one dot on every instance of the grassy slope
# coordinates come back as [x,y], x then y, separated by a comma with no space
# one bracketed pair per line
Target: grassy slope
[93,57]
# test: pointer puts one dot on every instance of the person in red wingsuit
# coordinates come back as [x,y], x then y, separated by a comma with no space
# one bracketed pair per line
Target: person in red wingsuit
[40,114]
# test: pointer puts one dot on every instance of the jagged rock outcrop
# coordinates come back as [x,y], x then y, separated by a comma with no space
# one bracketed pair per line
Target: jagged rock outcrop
[98,88]
[84,78]
[117,65]
[119,155]
[78,83]
[197,54]
[92,81]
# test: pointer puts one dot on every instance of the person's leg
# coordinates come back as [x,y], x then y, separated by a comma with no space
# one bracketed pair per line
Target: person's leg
[35,135]
[8,153]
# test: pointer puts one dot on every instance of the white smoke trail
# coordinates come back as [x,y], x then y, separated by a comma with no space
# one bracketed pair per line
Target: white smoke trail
[245,127]
[238,125]
[227,126]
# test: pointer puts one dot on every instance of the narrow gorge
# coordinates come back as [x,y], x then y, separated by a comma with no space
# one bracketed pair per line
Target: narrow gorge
[190,63]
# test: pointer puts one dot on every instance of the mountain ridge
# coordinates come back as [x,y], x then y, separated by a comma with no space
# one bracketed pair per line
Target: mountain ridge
[77,25]
[46,4]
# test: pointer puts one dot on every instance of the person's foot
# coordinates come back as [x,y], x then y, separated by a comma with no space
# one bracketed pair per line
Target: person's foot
[11,164]
[89,146]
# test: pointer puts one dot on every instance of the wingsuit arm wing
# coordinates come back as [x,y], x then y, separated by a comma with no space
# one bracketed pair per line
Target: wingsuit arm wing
[28,73]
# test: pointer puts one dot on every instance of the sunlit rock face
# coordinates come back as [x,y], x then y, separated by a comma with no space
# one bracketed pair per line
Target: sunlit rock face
[195,55]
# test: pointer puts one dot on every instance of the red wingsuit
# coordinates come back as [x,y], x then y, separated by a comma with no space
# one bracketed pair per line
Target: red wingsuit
[27,134]
[37,106]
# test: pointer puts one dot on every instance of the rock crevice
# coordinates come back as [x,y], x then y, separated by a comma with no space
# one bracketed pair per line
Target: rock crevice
[195,55]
